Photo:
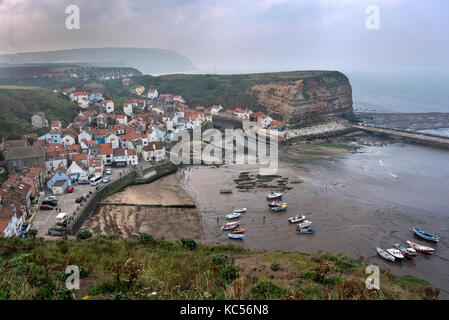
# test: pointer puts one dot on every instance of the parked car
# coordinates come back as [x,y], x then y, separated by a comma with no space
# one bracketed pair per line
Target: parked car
[52,203]
[106,180]
[108,171]
[70,190]
[51,198]
[46,207]
[80,199]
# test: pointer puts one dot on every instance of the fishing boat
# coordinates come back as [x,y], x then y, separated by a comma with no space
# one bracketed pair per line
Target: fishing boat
[276,204]
[407,252]
[238,230]
[425,235]
[420,248]
[274,195]
[384,254]
[296,219]
[396,253]
[241,210]
[279,209]
[308,230]
[236,236]
[304,224]
[233,215]
[231,226]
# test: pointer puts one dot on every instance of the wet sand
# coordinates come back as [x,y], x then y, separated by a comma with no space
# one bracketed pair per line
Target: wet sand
[127,221]
[356,201]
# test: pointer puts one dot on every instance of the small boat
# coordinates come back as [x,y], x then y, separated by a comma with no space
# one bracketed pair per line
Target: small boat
[233,215]
[279,209]
[239,230]
[274,195]
[384,254]
[231,226]
[420,248]
[308,230]
[407,252]
[425,235]
[296,219]
[305,224]
[236,236]
[239,210]
[226,191]
[276,204]
[396,253]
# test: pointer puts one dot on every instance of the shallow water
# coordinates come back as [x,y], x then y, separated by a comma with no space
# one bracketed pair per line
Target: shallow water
[356,203]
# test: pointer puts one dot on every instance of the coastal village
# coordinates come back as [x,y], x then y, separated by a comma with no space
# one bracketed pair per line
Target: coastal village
[103,140]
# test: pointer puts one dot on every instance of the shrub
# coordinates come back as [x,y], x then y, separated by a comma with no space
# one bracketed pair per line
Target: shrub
[145,238]
[188,243]
[266,290]
[84,234]
[221,259]
[228,273]
[275,266]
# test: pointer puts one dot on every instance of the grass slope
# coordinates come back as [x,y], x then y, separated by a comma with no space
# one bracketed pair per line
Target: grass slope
[18,104]
[135,269]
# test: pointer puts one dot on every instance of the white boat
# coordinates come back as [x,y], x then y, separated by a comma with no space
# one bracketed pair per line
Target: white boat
[304,224]
[274,195]
[395,253]
[420,248]
[233,215]
[241,210]
[384,254]
[296,219]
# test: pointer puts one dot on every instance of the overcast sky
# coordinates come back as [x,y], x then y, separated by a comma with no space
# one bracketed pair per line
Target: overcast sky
[242,34]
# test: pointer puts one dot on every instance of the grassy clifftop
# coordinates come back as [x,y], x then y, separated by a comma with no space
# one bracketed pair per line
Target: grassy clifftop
[159,269]
[18,104]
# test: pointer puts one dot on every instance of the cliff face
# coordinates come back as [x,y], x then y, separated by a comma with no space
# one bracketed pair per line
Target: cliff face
[306,100]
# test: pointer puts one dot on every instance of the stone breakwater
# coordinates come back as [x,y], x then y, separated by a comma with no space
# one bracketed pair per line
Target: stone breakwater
[329,128]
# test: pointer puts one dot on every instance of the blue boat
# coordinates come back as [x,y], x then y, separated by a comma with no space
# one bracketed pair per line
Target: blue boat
[308,230]
[425,235]
[236,236]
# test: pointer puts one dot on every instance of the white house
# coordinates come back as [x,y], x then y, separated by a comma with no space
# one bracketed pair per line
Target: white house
[266,122]
[154,151]
[108,106]
[83,103]
[85,135]
[122,119]
[132,158]
[216,110]
[128,109]
[113,140]
[179,99]
[10,222]
[77,171]
[76,96]
[68,140]
[153,94]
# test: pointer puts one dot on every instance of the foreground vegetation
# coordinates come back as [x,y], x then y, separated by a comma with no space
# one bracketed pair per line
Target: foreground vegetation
[148,268]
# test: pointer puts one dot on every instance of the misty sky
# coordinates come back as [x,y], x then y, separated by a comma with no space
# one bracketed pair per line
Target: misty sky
[243,34]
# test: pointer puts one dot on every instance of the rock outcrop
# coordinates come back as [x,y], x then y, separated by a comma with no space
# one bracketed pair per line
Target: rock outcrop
[327,95]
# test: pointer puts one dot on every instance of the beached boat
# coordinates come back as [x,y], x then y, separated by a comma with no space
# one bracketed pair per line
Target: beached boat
[308,230]
[425,235]
[407,252]
[274,195]
[236,236]
[226,191]
[296,219]
[241,210]
[279,209]
[239,230]
[420,248]
[276,204]
[231,226]
[396,253]
[304,224]
[233,215]
[384,254]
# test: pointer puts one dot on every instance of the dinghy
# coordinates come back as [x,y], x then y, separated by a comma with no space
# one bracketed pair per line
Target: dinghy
[407,252]
[396,253]
[276,204]
[274,195]
[236,236]
[234,215]
[308,230]
[226,191]
[296,219]
[279,209]
[231,226]
[237,231]
[420,248]
[305,224]
[425,235]
[384,254]
[239,210]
